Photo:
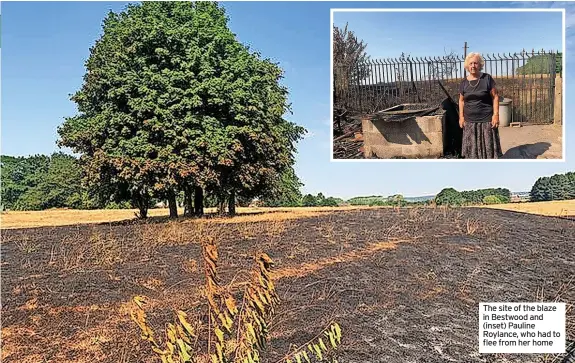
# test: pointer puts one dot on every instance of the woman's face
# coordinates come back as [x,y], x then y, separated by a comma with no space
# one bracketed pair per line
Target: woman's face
[474,65]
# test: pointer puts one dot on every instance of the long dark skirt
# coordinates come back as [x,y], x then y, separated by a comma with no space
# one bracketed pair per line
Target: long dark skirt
[480,141]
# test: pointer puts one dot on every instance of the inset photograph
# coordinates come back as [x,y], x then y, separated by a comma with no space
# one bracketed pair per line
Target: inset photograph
[428,84]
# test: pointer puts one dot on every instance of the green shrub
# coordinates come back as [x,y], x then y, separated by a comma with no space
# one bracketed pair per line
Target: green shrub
[492,199]
[449,196]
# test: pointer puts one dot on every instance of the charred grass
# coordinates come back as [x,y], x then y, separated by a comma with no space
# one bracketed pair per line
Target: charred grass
[404,284]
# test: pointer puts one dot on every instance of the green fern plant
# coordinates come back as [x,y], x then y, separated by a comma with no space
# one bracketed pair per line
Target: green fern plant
[318,347]
[235,334]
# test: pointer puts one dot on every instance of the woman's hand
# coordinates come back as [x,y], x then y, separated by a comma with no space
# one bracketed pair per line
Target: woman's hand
[461,122]
[495,121]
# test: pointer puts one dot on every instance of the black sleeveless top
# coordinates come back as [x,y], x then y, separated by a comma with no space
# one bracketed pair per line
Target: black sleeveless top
[477,100]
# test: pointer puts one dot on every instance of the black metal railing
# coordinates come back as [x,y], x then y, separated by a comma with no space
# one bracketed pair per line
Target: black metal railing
[527,78]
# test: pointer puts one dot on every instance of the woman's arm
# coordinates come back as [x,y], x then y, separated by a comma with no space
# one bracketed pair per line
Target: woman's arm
[495,118]
[461,118]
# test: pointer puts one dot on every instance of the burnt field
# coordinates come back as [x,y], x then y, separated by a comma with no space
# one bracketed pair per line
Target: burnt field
[403,284]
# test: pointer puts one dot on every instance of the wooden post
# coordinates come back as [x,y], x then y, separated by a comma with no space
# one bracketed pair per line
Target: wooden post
[558,107]
[464,55]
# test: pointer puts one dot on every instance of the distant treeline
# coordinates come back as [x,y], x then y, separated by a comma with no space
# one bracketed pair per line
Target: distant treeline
[320,200]
[42,182]
[450,196]
[393,200]
[556,187]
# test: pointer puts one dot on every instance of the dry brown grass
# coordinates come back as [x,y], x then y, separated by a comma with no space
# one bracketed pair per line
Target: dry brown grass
[559,208]
[63,217]
[310,268]
[327,269]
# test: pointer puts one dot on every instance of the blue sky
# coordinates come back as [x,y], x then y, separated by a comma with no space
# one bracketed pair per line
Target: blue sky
[419,34]
[44,46]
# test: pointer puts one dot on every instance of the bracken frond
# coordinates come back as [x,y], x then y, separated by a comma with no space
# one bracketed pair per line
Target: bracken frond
[250,322]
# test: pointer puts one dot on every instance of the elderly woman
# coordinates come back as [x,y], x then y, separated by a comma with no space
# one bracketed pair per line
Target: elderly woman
[479,112]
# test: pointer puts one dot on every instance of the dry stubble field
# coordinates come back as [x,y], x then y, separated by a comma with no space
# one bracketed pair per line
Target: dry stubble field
[404,284]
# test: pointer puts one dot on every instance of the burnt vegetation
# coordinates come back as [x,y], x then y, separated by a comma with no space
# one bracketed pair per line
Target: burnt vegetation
[402,283]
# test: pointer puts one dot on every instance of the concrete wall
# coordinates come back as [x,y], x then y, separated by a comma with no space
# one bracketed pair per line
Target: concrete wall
[558,109]
[418,137]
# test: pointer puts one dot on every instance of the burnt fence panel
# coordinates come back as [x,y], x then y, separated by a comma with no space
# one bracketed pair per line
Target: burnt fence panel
[527,78]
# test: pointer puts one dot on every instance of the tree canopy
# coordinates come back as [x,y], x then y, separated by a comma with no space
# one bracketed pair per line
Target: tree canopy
[556,187]
[450,196]
[41,182]
[541,64]
[171,100]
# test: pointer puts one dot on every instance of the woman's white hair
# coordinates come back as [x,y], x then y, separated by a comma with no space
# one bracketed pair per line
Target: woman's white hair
[472,55]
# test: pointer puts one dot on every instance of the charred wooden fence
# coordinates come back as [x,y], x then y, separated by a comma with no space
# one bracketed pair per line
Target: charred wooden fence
[527,78]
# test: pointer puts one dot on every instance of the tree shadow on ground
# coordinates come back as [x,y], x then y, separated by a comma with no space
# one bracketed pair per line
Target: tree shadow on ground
[180,218]
[527,151]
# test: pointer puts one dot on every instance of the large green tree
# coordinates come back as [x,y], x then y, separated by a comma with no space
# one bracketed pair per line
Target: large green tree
[172,101]
[449,196]
[284,191]
[556,187]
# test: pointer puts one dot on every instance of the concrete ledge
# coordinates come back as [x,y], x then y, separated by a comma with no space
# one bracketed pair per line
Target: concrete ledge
[416,137]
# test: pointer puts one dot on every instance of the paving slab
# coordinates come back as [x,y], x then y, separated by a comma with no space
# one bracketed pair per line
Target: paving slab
[532,142]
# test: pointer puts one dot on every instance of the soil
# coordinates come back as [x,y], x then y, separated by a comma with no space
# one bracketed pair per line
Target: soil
[404,284]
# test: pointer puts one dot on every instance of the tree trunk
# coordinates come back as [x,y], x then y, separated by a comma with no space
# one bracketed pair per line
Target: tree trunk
[198,201]
[188,208]
[143,211]
[232,204]
[221,205]
[141,203]
[172,204]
